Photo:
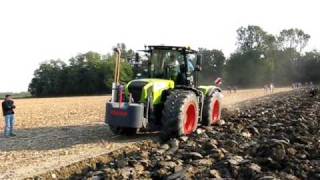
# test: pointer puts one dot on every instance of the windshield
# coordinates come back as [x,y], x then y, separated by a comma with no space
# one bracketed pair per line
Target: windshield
[166,64]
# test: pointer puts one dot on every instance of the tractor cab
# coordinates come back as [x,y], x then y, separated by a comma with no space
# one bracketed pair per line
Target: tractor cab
[173,63]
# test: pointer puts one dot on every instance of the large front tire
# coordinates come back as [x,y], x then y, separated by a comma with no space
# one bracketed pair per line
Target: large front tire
[211,109]
[180,114]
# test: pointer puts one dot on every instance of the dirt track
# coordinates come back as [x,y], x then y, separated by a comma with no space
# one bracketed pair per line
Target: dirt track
[55,132]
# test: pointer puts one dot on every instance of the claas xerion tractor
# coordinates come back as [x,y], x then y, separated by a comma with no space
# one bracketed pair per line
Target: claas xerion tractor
[169,99]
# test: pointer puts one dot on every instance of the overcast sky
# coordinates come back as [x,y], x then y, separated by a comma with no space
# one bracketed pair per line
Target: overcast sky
[33,31]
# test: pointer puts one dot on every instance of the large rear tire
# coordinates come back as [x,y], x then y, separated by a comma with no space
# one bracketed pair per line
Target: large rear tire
[211,109]
[180,114]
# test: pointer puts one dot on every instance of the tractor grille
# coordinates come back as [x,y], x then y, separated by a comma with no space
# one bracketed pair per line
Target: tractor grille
[135,88]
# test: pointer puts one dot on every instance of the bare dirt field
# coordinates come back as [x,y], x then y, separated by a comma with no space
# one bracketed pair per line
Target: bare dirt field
[55,132]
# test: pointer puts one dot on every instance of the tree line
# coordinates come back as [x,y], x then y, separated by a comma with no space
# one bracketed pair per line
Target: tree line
[260,58]
[89,73]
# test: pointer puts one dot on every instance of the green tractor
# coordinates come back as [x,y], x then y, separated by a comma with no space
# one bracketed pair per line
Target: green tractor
[168,99]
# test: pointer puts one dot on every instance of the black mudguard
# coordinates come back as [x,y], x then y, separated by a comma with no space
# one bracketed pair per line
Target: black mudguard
[124,115]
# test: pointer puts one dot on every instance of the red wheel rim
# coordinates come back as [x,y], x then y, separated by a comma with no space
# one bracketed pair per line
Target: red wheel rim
[190,120]
[216,112]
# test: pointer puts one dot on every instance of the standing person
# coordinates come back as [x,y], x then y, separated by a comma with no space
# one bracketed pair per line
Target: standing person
[271,87]
[8,113]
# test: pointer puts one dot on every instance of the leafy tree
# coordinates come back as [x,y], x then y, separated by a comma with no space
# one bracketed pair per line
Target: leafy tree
[261,58]
[252,63]
[246,69]
[213,62]
[88,73]
[309,66]
[254,38]
[47,78]
[295,39]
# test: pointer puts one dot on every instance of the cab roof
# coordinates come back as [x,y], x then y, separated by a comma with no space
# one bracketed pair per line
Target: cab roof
[184,49]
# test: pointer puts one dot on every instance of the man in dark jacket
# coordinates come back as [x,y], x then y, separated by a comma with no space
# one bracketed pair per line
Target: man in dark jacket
[8,113]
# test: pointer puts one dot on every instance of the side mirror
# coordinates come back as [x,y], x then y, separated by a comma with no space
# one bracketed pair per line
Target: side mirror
[199,60]
[137,58]
[198,63]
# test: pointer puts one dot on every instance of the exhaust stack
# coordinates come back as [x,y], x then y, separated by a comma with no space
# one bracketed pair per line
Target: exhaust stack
[116,83]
